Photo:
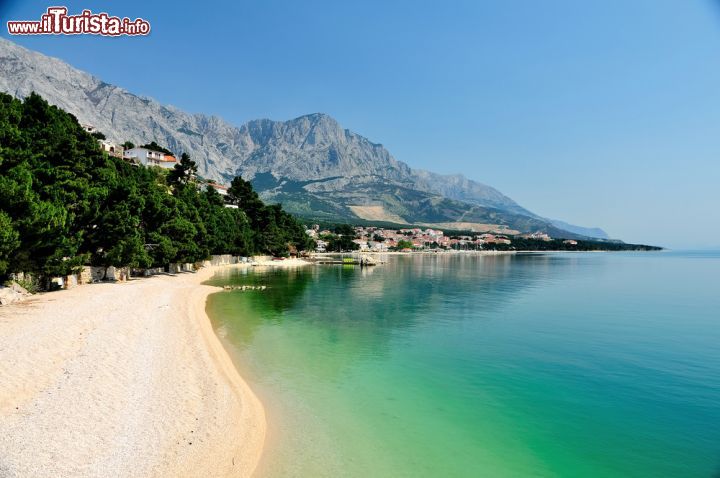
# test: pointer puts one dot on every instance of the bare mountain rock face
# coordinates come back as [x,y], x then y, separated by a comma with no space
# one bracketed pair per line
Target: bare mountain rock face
[310,164]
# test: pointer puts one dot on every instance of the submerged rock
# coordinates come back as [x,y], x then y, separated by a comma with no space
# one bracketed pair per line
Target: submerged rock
[244,287]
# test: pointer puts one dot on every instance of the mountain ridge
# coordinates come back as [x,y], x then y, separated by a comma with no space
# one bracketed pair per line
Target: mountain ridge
[319,167]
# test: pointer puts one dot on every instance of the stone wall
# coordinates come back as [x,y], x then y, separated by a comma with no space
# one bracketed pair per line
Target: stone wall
[90,274]
[153,271]
[85,275]
[70,281]
[225,259]
[175,268]
[98,274]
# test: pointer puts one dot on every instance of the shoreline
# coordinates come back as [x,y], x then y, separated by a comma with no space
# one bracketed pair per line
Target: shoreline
[410,253]
[124,379]
[250,456]
[471,252]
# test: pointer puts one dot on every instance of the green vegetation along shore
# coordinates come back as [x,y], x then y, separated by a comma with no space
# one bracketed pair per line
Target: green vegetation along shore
[64,203]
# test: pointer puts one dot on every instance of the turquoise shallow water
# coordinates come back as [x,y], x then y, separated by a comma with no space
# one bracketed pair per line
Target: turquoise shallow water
[553,365]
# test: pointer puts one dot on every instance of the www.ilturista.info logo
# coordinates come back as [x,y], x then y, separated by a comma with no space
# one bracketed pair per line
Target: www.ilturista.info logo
[57,22]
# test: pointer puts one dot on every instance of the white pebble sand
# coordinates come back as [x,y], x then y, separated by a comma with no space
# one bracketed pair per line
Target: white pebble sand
[123,380]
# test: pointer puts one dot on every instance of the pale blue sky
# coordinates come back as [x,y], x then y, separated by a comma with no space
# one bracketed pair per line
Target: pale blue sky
[601,113]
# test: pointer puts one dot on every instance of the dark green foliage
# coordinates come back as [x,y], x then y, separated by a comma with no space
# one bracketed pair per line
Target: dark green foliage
[9,241]
[242,194]
[98,135]
[342,239]
[183,172]
[342,244]
[156,147]
[49,184]
[128,145]
[521,244]
[274,230]
[402,244]
[228,230]
[345,230]
[65,203]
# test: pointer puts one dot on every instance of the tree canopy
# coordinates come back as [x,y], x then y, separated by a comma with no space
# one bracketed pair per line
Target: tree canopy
[156,147]
[65,203]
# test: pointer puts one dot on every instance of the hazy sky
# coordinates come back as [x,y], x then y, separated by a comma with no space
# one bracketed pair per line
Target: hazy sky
[601,113]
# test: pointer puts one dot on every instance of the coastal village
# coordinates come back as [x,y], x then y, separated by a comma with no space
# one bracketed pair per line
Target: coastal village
[379,239]
[366,238]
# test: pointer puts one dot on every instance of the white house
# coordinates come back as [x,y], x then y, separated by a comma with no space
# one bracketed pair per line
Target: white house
[111,148]
[377,246]
[148,157]
[222,190]
[321,246]
[362,244]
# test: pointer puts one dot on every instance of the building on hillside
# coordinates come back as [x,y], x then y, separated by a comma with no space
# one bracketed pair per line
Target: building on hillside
[222,190]
[202,185]
[111,148]
[542,236]
[377,246]
[492,239]
[89,128]
[363,245]
[147,157]
[570,242]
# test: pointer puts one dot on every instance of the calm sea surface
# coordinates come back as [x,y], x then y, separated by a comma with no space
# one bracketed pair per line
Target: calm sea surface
[549,365]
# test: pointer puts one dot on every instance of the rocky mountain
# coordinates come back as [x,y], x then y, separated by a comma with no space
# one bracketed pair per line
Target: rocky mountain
[595,232]
[311,164]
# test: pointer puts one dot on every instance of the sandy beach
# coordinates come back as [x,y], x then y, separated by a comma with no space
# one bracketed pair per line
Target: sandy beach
[123,380]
